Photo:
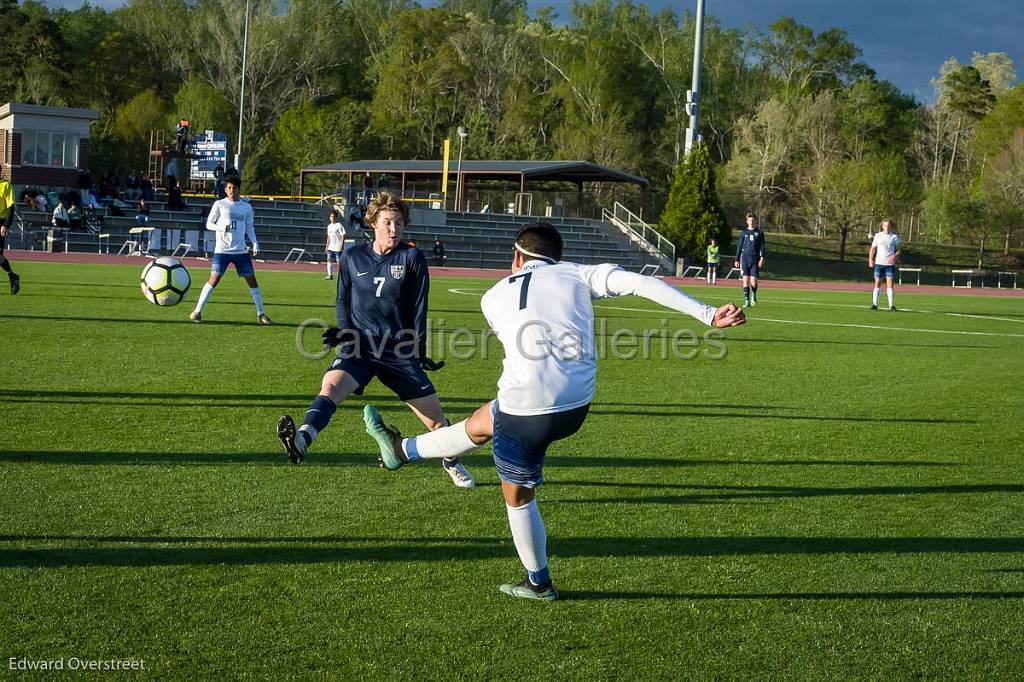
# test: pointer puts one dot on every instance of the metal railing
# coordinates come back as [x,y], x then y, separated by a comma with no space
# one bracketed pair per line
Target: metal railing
[649,239]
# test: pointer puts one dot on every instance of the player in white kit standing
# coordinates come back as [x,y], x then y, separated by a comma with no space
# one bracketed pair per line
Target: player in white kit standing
[544,317]
[231,218]
[882,256]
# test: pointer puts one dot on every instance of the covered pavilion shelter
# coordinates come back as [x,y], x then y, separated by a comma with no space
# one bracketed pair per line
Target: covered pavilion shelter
[516,173]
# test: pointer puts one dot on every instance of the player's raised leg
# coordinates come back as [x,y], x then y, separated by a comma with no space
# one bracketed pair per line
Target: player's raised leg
[336,386]
[429,411]
[448,442]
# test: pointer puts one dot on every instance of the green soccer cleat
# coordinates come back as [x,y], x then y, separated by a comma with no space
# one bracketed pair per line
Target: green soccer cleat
[389,440]
[527,590]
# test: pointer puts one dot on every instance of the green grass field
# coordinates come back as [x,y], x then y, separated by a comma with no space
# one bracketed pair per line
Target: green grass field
[840,496]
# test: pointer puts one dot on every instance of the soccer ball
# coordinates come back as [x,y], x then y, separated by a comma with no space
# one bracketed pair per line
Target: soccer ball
[165,281]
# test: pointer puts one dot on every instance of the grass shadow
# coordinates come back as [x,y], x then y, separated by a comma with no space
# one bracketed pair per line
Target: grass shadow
[391,549]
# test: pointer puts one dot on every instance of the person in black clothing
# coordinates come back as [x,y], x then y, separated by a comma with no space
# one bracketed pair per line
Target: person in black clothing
[381,307]
[440,257]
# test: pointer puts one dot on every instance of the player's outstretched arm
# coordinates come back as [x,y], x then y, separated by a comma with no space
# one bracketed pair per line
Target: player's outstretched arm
[729,315]
[621,282]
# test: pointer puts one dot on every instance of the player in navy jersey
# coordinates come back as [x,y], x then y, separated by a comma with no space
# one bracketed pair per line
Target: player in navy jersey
[750,258]
[382,332]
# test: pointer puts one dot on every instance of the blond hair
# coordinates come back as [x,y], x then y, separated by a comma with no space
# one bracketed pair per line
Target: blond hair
[386,201]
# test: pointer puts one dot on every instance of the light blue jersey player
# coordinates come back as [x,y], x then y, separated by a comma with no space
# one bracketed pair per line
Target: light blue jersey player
[544,317]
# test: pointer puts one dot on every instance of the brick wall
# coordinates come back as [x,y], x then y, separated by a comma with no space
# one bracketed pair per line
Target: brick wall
[83,152]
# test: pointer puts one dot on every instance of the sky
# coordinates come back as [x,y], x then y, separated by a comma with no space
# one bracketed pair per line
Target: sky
[904,41]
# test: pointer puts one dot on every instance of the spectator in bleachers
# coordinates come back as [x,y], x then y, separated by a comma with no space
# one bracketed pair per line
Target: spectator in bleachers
[142,216]
[218,182]
[174,200]
[367,187]
[84,184]
[41,203]
[61,217]
[131,187]
[171,171]
[440,257]
[146,188]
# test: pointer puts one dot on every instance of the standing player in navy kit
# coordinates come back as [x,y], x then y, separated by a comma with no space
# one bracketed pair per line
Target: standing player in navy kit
[750,258]
[381,332]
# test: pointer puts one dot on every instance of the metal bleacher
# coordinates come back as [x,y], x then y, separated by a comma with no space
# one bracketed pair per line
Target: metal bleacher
[475,240]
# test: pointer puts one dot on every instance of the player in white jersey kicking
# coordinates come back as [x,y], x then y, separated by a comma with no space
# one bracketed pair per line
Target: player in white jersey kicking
[232,220]
[544,317]
[882,256]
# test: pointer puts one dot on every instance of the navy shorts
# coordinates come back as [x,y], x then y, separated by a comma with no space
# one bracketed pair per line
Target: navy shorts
[241,261]
[336,255]
[521,442]
[749,268]
[712,266]
[885,271]
[405,378]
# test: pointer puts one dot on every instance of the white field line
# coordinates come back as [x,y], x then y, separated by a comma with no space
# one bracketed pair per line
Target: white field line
[803,322]
[977,316]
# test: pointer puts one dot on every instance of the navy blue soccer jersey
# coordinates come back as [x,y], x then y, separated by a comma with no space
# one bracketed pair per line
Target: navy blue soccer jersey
[384,298]
[751,244]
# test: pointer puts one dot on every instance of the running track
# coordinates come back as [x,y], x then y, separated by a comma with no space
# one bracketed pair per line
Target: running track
[106,259]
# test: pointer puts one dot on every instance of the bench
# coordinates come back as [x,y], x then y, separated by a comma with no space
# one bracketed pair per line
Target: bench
[917,270]
[968,273]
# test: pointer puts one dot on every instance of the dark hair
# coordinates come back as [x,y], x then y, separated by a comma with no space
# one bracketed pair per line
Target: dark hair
[752,215]
[541,239]
[234,180]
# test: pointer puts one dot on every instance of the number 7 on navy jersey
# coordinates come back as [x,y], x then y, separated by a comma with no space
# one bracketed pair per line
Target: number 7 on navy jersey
[523,288]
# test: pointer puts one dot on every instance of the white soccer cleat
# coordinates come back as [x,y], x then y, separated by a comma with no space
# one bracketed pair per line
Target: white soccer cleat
[459,473]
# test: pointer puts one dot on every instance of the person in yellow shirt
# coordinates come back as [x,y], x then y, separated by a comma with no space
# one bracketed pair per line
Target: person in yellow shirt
[7,207]
[713,258]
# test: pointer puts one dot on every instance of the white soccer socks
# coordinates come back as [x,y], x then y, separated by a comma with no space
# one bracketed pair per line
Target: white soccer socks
[204,297]
[448,442]
[874,295]
[888,292]
[531,540]
[329,263]
[257,298]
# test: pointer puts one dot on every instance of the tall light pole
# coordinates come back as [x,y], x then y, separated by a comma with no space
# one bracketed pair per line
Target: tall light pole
[458,173]
[693,94]
[241,102]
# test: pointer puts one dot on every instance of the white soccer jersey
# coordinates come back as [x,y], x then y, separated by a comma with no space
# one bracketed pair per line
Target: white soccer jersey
[335,237]
[886,246]
[236,215]
[544,318]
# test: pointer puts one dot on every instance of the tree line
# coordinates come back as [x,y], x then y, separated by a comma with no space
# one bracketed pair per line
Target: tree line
[796,125]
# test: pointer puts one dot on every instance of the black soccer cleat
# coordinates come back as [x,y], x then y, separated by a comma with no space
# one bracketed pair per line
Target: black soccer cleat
[290,438]
[15,284]
[874,307]
[892,308]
